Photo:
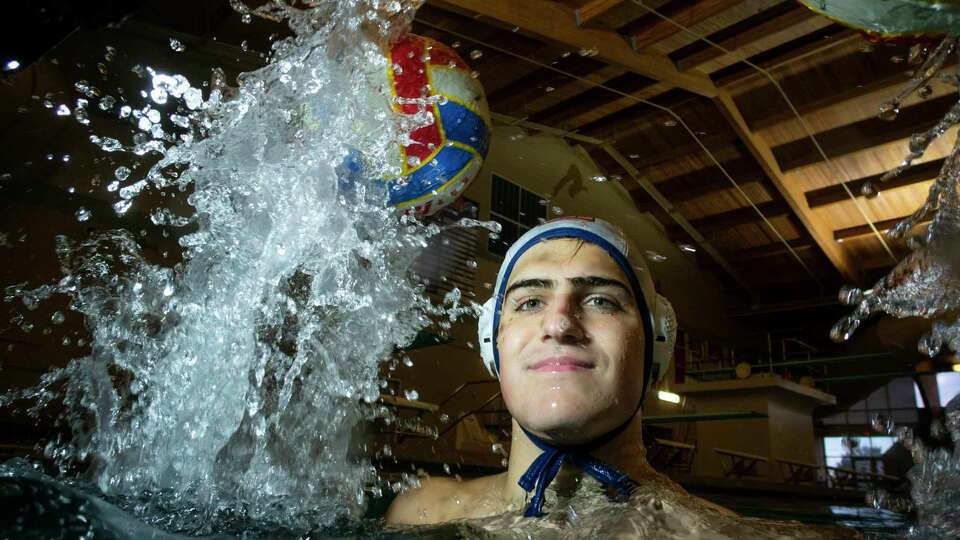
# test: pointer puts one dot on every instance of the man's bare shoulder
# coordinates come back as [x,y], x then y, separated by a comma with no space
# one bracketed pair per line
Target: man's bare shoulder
[440,499]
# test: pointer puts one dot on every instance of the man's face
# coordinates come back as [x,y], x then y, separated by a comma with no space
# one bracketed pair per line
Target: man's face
[570,342]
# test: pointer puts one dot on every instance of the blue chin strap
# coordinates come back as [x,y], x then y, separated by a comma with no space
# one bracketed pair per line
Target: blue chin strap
[545,468]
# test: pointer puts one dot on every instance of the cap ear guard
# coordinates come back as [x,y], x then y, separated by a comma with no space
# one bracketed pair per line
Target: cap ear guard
[485,332]
[665,330]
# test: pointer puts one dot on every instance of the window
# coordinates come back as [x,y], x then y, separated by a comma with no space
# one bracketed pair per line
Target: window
[450,257]
[860,453]
[897,400]
[516,209]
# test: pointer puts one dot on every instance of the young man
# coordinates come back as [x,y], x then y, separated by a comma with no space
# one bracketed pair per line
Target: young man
[577,334]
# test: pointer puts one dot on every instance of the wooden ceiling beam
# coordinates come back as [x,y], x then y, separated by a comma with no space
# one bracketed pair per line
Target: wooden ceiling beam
[746,32]
[649,29]
[734,218]
[591,98]
[786,53]
[593,9]
[679,145]
[557,23]
[914,175]
[863,230]
[820,232]
[533,84]
[774,249]
[826,85]
[862,135]
[628,118]
[703,182]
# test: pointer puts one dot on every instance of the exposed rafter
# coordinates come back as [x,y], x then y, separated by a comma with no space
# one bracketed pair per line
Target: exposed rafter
[649,29]
[557,22]
[923,172]
[593,9]
[746,32]
[701,183]
[862,135]
[787,53]
[818,230]
[862,230]
[734,218]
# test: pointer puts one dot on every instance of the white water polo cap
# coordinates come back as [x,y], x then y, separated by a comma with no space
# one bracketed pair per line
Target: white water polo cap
[658,318]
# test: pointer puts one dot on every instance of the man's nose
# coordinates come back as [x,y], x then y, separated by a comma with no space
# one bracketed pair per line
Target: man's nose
[562,322]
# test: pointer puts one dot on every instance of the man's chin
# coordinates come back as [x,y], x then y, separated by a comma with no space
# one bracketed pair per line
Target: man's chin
[565,429]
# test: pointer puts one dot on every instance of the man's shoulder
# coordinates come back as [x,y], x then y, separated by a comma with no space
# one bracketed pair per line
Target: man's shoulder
[437,499]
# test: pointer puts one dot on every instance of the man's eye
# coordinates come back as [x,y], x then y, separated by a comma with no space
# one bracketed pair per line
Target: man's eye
[602,303]
[529,304]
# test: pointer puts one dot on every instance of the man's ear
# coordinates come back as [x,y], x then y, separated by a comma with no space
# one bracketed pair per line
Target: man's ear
[485,334]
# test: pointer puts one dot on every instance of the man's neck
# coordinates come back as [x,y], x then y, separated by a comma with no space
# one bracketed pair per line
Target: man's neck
[625,452]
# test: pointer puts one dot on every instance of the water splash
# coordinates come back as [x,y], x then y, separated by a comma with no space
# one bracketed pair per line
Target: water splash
[926,283]
[233,381]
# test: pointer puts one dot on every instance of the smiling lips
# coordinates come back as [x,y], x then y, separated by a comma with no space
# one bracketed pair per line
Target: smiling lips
[562,363]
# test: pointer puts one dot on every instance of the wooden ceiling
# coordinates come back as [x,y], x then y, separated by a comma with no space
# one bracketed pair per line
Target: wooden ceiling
[746,127]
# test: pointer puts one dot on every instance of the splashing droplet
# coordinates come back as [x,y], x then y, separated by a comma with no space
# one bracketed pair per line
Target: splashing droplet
[176,45]
[653,256]
[83,214]
[476,54]
[412,395]
[122,173]
[599,178]
[687,248]
[57,317]
[849,295]
[63,110]
[889,111]
[869,190]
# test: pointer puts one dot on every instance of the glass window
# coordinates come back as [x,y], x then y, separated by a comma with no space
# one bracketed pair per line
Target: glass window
[948,386]
[516,209]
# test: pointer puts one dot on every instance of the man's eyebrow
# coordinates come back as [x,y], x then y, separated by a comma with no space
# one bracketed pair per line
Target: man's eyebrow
[578,282]
[597,281]
[534,283]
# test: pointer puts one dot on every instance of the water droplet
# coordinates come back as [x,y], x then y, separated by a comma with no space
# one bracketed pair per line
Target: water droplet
[387,451]
[850,295]
[475,74]
[407,361]
[113,186]
[446,468]
[168,290]
[57,317]
[896,59]
[83,214]
[244,46]
[122,173]
[549,89]
[889,111]
[412,395]
[589,51]
[176,45]
[413,161]
[125,111]
[471,264]
[670,123]
[599,178]
[476,54]
[63,110]
[687,248]
[844,329]
[869,190]
[653,256]
[557,211]
[444,418]
[121,207]
[925,91]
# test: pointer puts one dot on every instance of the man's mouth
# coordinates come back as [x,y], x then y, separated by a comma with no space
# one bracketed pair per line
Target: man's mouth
[562,363]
